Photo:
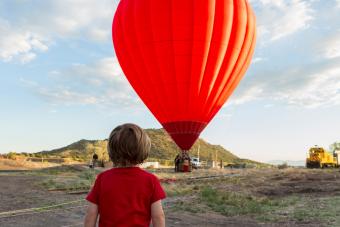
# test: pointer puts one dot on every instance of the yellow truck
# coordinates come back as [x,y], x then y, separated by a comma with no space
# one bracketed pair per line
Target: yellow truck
[320,158]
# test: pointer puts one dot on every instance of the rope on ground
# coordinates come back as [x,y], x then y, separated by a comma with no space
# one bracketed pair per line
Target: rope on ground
[172,180]
[43,211]
[37,209]
[73,225]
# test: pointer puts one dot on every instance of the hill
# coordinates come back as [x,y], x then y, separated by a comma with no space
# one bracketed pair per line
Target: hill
[162,148]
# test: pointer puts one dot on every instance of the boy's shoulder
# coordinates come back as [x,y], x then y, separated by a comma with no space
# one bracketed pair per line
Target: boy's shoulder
[148,174]
[133,170]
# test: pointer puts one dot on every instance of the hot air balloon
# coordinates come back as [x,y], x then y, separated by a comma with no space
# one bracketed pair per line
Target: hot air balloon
[184,58]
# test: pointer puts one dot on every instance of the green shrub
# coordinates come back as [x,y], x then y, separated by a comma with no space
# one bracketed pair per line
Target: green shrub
[283,166]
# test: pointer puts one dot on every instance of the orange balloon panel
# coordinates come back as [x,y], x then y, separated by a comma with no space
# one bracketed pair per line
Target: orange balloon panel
[184,58]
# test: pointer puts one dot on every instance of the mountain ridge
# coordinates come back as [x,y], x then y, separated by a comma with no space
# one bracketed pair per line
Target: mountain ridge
[162,148]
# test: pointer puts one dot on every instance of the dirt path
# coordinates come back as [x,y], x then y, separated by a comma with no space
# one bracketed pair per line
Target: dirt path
[19,192]
[22,191]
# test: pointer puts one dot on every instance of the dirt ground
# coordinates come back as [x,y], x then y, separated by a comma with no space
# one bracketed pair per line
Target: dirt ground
[312,190]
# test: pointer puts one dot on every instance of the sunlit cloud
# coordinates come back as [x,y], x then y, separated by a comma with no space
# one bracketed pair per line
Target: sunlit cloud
[277,19]
[19,44]
[91,19]
[331,46]
[101,83]
[310,88]
[257,60]
[33,31]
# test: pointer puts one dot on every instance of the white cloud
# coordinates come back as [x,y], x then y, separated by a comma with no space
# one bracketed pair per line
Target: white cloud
[102,84]
[103,72]
[25,58]
[331,46]
[323,89]
[20,44]
[99,34]
[34,30]
[302,71]
[66,96]
[89,17]
[257,60]
[306,86]
[281,18]
[250,94]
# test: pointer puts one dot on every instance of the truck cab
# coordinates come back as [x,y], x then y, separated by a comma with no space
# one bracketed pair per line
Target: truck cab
[195,162]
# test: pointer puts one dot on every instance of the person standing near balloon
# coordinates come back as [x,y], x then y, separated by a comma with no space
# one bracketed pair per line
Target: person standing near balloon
[177,161]
[126,195]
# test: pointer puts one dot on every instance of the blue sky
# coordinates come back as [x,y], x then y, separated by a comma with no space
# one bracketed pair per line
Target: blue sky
[60,80]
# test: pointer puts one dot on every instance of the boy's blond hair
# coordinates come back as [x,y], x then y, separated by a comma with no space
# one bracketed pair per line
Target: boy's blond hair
[128,145]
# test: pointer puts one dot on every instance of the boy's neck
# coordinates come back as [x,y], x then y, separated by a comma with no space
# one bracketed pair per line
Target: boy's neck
[125,166]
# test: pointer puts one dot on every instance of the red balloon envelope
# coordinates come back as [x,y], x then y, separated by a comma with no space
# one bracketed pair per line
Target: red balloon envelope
[184,58]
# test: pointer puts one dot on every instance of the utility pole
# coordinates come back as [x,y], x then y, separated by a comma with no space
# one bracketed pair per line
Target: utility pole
[198,152]
[216,165]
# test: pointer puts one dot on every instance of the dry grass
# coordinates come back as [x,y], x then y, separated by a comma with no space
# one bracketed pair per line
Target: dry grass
[8,164]
[290,195]
[273,195]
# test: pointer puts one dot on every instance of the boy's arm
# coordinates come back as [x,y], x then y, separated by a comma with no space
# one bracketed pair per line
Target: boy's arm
[157,214]
[91,215]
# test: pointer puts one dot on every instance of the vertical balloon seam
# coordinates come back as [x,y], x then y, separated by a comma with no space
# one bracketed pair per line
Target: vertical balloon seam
[162,88]
[200,72]
[167,84]
[243,64]
[122,39]
[144,65]
[213,81]
[127,52]
[185,56]
[192,127]
[213,109]
[250,52]
[138,80]
[219,77]
[187,106]
[174,86]
[191,81]
[229,60]
[238,68]
[204,75]
[157,88]
[216,108]
[215,59]
[173,57]
[239,75]
[206,61]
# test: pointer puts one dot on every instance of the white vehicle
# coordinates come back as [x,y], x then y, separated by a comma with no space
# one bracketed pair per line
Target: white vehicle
[195,162]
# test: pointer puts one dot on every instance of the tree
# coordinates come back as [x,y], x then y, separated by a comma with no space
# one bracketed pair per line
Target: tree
[12,155]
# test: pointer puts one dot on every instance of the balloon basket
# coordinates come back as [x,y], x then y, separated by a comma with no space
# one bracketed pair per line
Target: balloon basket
[183,168]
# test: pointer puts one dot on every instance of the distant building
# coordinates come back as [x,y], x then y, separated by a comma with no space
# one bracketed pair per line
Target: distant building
[150,165]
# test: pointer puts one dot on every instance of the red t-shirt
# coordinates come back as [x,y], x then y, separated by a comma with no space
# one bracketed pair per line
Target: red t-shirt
[124,196]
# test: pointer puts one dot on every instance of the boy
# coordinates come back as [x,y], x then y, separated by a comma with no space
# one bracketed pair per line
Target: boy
[126,195]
